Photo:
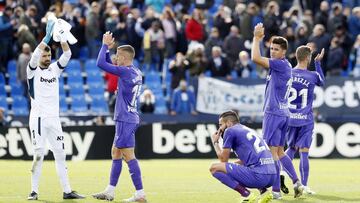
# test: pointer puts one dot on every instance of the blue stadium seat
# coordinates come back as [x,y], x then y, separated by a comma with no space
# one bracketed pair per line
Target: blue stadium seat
[62,91]
[3,103]
[20,107]
[93,77]
[74,64]
[17,89]
[99,105]
[90,64]
[11,67]
[75,80]
[208,73]
[63,104]
[84,53]
[161,109]
[96,90]
[2,91]
[13,80]
[78,105]
[2,80]
[76,90]
[152,76]
[74,72]
[21,111]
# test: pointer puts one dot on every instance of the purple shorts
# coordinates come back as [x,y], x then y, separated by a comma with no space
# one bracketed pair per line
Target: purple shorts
[125,134]
[246,176]
[300,136]
[274,129]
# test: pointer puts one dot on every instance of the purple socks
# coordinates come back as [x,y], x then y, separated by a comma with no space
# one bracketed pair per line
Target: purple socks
[231,183]
[276,185]
[135,173]
[115,171]
[291,152]
[289,168]
[304,167]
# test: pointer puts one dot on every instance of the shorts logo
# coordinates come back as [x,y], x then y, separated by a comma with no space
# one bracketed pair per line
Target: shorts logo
[60,138]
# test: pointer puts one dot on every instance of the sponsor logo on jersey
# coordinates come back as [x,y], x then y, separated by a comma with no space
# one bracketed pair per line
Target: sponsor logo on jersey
[47,80]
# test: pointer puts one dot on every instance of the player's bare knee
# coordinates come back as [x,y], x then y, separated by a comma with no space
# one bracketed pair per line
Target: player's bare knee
[128,154]
[213,169]
[304,150]
[116,153]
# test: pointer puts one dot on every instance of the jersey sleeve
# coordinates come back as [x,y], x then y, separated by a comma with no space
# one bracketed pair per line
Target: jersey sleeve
[228,139]
[62,62]
[33,63]
[276,64]
[121,71]
[319,74]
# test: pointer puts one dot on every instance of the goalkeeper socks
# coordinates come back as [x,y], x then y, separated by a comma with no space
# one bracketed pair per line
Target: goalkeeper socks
[62,171]
[36,172]
[289,168]
[135,173]
[291,152]
[304,167]
[115,171]
[276,184]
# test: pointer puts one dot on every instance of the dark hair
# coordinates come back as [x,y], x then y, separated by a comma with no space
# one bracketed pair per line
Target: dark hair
[302,52]
[230,115]
[47,49]
[280,41]
[129,49]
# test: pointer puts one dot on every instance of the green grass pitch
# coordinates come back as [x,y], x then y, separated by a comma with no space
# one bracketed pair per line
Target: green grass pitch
[172,181]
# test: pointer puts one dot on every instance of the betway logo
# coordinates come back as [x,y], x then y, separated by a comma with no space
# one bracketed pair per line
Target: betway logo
[47,80]
[335,96]
[346,140]
[185,140]
[9,143]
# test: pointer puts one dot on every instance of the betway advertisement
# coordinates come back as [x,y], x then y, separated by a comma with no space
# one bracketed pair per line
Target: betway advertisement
[339,97]
[157,141]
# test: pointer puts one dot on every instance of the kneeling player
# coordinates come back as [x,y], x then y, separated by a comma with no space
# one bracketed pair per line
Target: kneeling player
[255,168]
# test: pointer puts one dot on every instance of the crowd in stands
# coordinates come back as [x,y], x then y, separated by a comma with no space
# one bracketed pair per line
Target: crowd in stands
[178,40]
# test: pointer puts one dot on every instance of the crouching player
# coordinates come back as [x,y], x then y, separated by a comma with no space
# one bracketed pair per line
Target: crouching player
[255,168]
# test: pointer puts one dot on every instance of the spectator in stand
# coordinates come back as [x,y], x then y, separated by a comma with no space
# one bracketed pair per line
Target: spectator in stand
[355,57]
[213,40]
[177,68]
[250,18]
[132,36]
[218,65]
[244,66]
[25,36]
[233,44]
[321,39]
[290,53]
[336,18]
[354,22]
[158,5]
[194,29]
[223,21]
[272,20]
[6,32]
[201,4]
[183,100]
[147,101]
[322,16]
[21,65]
[112,21]
[345,40]
[92,29]
[198,61]
[169,23]
[301,37]
[154,45]
[335,58]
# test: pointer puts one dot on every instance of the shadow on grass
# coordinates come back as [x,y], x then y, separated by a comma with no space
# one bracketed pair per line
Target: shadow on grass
[334,198]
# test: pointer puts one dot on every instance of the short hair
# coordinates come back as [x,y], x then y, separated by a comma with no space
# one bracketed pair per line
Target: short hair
[230,116]
[280,41]
[47,48]
[129,49]
[302,52]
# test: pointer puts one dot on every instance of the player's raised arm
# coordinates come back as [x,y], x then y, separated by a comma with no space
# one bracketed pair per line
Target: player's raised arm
[102,61]
[35,57]
[66,55]
[255,49]
[318,68]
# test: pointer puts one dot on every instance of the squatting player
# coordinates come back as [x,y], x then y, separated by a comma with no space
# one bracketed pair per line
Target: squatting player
[126,117]
[301,123]
[255,168]
[44,122]
[276,111]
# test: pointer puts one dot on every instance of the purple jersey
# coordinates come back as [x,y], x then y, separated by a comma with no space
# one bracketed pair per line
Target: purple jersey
[249,148]
[129,86]
[302,95]
[278,84]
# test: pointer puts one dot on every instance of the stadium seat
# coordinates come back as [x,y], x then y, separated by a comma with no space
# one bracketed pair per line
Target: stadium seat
[63,104]
[96,89]
[99,105]
[2,80]
[94,76]
[11,67]
[17,89]
[75,80]
[78,105]
[74,64]
[90,64]
[152,76]
[76,89]
[20,107]
[161,109]
[3,103]
[84,53]
[2,91]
